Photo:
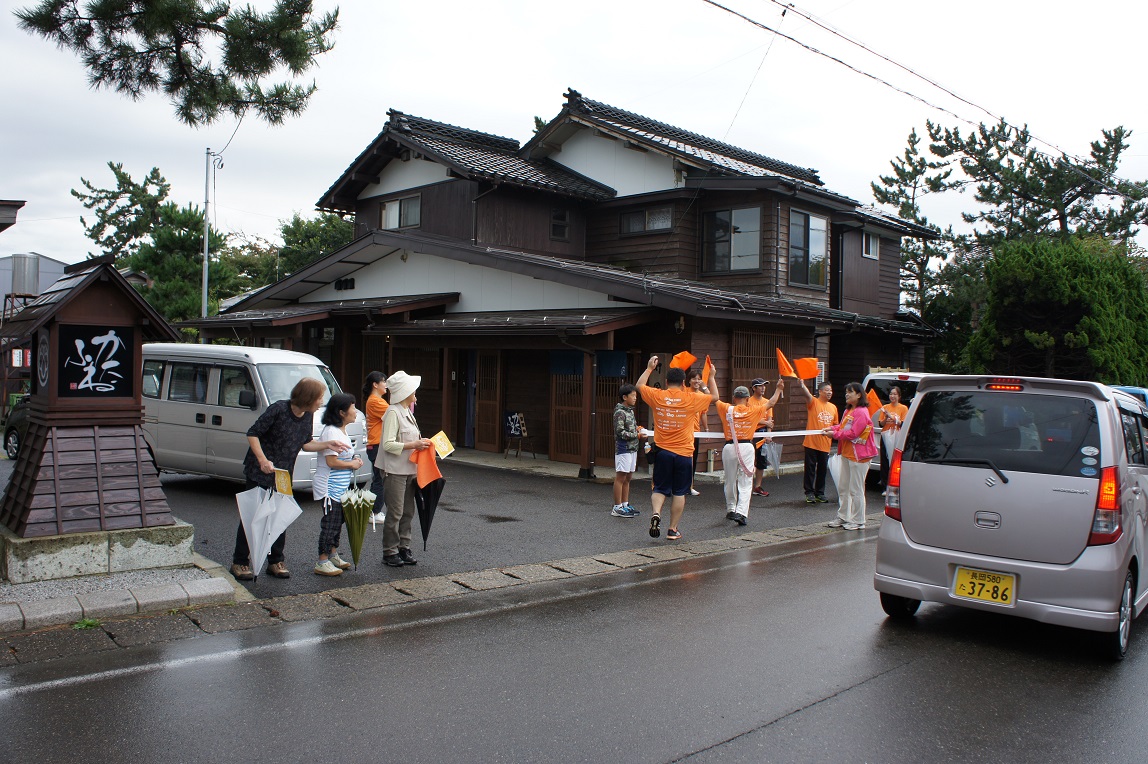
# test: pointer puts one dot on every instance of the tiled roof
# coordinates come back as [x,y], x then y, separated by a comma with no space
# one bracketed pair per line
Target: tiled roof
[570,321]
[721,156]
[286,313]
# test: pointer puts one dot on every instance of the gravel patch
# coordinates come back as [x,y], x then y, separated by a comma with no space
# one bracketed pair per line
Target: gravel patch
[62,587]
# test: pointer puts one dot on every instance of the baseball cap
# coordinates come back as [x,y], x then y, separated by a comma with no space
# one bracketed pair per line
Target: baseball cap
[757,381]
[741,391]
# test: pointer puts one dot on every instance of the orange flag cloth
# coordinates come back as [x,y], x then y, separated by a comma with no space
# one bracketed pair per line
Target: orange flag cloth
[707,371]
[683,360]
[806,368]
[783,367]
[427,464]
[873,403]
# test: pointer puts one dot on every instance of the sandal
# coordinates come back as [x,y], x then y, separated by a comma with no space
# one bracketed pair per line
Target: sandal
[655,526]
[673,534]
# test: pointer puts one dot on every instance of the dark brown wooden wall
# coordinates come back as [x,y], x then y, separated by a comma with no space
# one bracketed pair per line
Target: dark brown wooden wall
[526,388]
[664,253]
[860,276]
[520,220]
[445,209]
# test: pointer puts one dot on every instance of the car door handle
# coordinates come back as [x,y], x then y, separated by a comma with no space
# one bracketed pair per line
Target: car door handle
[200,418]
[216,420]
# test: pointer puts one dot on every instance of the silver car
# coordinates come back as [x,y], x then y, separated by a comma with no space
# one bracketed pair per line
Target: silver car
[1022,496]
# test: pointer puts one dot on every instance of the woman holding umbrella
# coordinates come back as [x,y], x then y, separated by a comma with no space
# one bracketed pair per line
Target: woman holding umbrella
[332,478]
[400,434]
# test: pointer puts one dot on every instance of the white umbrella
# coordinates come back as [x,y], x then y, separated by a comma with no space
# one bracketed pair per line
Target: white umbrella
[773,450]
[265,514]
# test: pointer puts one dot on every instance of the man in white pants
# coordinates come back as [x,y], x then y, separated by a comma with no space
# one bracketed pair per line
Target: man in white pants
[739,421]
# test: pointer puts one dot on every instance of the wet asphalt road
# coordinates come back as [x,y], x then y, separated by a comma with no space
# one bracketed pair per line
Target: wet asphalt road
[777,654]
[487,518]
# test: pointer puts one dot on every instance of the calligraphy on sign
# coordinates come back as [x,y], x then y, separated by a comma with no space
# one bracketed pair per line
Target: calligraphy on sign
[96,361]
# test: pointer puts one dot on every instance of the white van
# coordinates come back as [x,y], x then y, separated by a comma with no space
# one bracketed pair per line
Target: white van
[200,400]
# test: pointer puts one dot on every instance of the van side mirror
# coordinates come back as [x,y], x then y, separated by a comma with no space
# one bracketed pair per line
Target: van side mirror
[247,399]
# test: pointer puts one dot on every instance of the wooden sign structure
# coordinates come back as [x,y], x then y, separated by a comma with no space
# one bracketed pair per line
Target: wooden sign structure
[84,464]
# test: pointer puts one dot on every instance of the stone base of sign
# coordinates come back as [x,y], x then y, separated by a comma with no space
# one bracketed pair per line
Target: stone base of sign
[79,479]
[23,560]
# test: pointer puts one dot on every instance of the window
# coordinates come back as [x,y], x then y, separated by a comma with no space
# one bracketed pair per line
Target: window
[1133,442]
[152,378]
[645,221]
[871,247]
[400,213]
[232,381]
[731,240]
[560,225]
[808,248]
[188,383]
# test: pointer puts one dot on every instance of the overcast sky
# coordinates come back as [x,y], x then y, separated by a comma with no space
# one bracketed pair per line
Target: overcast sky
[1066,69]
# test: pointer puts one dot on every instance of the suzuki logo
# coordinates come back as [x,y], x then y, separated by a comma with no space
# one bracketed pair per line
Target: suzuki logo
[990,481]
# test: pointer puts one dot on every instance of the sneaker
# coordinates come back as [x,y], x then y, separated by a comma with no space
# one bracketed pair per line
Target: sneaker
[634,511]
[406,556]
[339,562]
[885,493]
[619,510]
[278,570]
[655,526]
[740,519]
[759,492]
[378,517]
[821,499]
[242,573]
[393,560]
[810,499]
[730,515]
[694,492]
[853,527]
[327,568]
[836,522]
[673,534]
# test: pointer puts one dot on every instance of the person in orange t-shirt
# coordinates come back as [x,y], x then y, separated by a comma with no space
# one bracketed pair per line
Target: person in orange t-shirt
[739,422]
[373,392]
[675,412]
[820,414]
[889,419]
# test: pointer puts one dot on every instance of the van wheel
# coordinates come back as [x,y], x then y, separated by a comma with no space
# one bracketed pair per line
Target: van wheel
[12,443]
[899,608]
[1116,642]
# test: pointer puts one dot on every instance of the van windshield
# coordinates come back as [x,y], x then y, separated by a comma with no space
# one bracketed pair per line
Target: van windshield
[1044,434]
[279,379]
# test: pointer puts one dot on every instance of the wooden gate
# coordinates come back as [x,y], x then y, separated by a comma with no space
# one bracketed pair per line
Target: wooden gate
[566,424]
[605,397]
[488,401]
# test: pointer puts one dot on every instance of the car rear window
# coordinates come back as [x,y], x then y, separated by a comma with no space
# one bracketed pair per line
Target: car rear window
[881,387]
[1045,434]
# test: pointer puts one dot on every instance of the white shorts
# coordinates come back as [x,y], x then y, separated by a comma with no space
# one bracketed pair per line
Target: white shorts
[626,462]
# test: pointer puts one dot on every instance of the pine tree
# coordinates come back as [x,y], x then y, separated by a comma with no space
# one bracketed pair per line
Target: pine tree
[126,214]
[305,241]
[140,46]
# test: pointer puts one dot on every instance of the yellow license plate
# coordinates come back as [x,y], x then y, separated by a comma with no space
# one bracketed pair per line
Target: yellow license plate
[985,586]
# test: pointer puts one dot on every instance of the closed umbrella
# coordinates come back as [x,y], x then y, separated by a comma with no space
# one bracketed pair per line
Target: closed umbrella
[358,509]
[265,514]
[428,488]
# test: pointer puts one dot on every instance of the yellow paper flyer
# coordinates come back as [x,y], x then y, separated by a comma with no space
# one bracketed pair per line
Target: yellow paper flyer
[442,445]
[283,482]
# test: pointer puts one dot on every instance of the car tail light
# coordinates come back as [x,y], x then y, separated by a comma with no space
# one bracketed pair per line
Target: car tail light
[893,488]
[1005,384]
[1106,520]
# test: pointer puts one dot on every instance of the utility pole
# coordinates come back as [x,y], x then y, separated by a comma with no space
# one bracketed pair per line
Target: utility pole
[206,224]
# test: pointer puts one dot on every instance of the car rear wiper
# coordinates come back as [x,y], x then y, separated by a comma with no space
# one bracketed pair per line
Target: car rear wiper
[971,462]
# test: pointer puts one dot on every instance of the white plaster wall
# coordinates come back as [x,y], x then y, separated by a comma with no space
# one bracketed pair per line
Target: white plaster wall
[480,288]
[399,176]
[607,161]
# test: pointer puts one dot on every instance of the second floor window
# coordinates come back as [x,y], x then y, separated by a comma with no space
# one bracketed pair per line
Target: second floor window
[731,240]
[808,249]
[400,213]
[871,248]
[643,221]
[560,225]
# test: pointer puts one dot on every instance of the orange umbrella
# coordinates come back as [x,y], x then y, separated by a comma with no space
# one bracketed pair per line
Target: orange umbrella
[806,368]
[783,367]
[683,360]
[872,402]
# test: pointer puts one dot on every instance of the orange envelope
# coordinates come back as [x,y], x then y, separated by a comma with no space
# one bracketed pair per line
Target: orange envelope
[806,368]
[783,367]
[873,403]
[428,470]
[683,360]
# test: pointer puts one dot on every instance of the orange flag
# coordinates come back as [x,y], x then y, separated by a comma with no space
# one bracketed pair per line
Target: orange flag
[707,371]
[427,464]
[806,368]
[783,367]
[872,402]
[683,360]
